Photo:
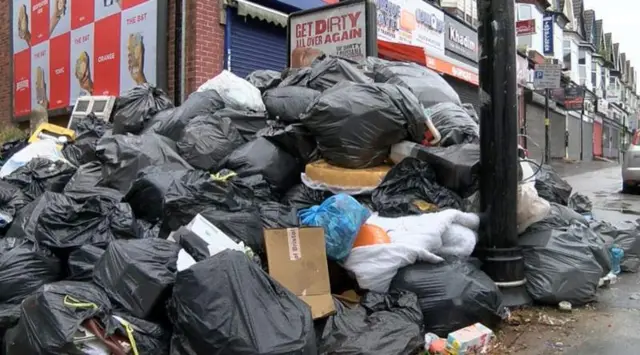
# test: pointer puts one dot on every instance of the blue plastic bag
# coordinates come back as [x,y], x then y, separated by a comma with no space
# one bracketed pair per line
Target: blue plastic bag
[341,217]
[616,258]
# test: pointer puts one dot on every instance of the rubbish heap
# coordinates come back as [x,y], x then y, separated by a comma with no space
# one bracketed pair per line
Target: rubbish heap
[328,209]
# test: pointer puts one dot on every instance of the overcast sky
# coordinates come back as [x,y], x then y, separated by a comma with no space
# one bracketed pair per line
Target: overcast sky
[620,17]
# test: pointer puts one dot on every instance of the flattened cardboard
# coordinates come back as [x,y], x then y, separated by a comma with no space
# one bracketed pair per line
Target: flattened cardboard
[297,259]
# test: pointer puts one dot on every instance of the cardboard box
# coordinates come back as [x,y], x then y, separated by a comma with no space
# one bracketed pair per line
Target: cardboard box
[297,259]
[474,339]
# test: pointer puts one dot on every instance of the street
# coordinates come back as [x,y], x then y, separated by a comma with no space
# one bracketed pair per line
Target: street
[609,326]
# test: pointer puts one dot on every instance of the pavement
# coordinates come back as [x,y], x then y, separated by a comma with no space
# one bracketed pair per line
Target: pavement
[612,324]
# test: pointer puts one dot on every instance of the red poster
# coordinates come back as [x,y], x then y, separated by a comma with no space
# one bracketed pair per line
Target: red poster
[22,83]
[126,4]
[59,71]
[39,21]
[106,59]
[81,13]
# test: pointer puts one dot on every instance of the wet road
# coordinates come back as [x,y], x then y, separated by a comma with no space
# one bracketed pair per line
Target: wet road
[612,325]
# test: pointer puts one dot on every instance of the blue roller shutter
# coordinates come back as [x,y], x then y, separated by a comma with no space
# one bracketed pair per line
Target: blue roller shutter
[256,45]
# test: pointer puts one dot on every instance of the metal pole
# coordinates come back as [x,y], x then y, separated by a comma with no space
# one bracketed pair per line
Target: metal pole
[547,122]
[584,95]
[498,242]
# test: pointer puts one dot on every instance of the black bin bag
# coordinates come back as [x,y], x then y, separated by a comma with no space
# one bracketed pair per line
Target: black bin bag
[146,195]
[246,122]
[12,200]
[40,175]
[355,125]
[171,122]
[260,156]
[24,268]
[51,317]
[327,71]
[82,261]
[207,140]
[88,131]
[87,182]
[241,226]
[123,157]
[288,103]
[264,80]
[552,187]
[380,324]
[452,295]
[294,139]
[454,124]
[24,224]
[300,196]
[628,239]
[137,274]
[409,187]
[246,312]
[137,106]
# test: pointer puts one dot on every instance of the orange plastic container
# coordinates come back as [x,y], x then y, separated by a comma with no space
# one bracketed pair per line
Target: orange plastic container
[371,235]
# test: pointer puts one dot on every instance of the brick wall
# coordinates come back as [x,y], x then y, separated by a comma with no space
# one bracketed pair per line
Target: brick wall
[5,64]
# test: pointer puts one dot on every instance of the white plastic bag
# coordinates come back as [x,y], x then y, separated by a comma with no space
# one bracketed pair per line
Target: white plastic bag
[424,237]
[46,148]
[531,207]
[236,92]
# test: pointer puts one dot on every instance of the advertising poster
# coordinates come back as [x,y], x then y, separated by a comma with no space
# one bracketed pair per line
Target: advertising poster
[60,17]
[138,46]
[22,83]
[59,64]
[21,25]
[127,4]
[82,12]
[40,88]
[340,31]
[81,73]
[105,8]
[412,22]
[39,21]
[107,56]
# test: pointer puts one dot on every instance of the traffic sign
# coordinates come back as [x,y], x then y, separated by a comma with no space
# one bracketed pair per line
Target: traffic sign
[547,76]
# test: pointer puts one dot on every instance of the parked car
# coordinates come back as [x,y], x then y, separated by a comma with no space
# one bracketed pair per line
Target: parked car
[631,165]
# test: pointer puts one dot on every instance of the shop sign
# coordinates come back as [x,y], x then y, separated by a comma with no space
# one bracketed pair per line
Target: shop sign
[613,94]
[526,27]
[345,29]
[547,35]
[452,70]
[64,49]
[573,98]
[460,39]
[412,22]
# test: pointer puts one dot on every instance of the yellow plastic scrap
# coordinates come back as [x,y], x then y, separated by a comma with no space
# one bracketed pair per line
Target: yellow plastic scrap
[72,302]
[222,178]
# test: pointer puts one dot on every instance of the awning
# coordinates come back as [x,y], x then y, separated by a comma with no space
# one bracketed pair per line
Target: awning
[247,8]
[401,52]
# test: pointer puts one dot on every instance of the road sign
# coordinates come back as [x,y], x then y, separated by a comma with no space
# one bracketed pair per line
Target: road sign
[547,76]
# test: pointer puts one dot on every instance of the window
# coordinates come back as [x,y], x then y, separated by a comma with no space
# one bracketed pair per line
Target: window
[524,12]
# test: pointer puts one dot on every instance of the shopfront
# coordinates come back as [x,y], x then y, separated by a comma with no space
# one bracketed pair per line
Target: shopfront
[597,135]
[461,53]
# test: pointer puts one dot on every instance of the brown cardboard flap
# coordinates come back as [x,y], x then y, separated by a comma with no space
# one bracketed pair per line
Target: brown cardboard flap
[321,305]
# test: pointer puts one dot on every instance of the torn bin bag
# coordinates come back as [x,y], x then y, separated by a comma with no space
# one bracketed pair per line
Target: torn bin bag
[260,156]
[40,175]
[137,106]
[124,156]
[380,324]
[12,200]
[51,318]
[137,274]
[288,103]
[146,195]
[552,187]
[454,124]
[452,295]
[247,311]
[24,268]
[207,140]
[410,187]
[82,261]
[355,125]
[264,80]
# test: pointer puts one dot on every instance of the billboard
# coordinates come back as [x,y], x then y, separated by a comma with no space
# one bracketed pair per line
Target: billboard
[63,49]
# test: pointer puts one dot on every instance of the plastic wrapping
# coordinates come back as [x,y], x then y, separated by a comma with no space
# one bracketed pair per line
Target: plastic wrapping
[241,226]
[137,106]
[531,207]
[294,139]
[580,203]
[88,131]
[452,295]
[410,188]
[247,311]
[454,124]
[288,103]
[12,200]
[457,167]
[207,140]
[236,92]
[277,215]
[124,156]
[24,268]
[551,186]
[44,149]
[355,125]
[380,324]
[341,217]
[40,175]
[260,156]
[51,318]
[82,261]
[137,274]
[327,71]
[87,181]
[264,80]
[628,239]
[11,147]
